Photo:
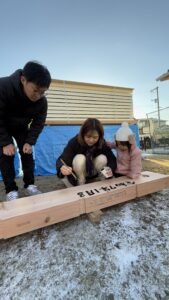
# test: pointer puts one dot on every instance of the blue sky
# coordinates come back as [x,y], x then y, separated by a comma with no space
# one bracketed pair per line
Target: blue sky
[114,42]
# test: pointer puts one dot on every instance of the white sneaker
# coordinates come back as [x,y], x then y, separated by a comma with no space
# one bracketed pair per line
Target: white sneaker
[32,190]
[12,196]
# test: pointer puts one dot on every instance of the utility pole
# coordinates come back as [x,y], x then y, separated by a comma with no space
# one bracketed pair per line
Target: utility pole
[156,100]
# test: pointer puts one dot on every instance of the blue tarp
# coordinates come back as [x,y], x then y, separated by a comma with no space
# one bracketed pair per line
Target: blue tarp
[53,139]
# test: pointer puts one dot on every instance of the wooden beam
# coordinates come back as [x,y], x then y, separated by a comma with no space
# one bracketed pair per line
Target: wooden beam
[30,213]
[87,86]
[151,182]
[81,121]
[117,191]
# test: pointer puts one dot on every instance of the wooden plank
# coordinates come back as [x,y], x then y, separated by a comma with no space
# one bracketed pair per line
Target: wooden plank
[85,113]
[110,193]
[85,105]
[33,220]
[84,108]
[93,90]
[79,121]
[88,96]
[30,213]
[74,113]
[150,182]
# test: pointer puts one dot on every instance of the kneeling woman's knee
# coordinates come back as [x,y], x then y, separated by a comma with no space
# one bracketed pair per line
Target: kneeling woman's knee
[79,162]
[100,162]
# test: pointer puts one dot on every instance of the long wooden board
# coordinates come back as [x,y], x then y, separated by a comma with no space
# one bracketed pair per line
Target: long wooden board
[151,182]
[30,213]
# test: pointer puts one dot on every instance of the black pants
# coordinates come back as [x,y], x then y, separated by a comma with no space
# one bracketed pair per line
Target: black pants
[116,175]
[7,164]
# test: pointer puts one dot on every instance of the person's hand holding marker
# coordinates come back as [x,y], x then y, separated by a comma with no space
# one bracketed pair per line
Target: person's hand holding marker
[66,170]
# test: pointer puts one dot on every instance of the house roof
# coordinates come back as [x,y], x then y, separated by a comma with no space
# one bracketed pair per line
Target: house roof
[163,77]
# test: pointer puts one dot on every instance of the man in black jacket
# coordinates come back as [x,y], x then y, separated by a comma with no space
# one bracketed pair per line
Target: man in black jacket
[23,110]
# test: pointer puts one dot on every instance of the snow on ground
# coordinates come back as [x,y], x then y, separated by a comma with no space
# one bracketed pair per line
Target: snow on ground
[125,257]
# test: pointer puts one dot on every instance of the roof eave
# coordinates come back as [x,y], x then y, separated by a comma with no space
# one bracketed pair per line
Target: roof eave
[163,77]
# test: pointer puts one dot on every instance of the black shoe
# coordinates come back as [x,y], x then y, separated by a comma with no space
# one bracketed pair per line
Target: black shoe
[72,180]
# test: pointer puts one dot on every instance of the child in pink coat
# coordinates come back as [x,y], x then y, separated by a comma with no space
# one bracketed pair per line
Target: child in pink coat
[128,154]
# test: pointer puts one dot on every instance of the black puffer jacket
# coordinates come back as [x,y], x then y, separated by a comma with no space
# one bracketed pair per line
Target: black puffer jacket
[17,111]
[74,147]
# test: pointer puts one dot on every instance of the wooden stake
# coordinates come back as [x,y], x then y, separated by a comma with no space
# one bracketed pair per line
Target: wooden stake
[95,216]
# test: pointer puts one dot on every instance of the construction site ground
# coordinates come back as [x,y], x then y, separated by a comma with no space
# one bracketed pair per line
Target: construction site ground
[124,257]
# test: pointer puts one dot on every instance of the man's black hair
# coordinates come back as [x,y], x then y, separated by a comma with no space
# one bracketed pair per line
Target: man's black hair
[37,73]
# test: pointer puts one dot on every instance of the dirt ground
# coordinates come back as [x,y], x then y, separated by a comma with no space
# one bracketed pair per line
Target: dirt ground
[124,257]
[156,163]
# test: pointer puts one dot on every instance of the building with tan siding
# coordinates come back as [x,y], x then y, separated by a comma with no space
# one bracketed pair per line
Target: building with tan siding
[71,102]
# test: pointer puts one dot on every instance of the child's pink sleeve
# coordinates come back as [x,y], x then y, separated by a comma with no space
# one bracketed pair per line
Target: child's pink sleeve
[135,163]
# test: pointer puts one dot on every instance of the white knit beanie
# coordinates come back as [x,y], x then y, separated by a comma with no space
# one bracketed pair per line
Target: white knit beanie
[123,132]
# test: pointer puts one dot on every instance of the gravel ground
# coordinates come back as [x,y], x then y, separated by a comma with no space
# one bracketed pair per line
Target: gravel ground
[124,257]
